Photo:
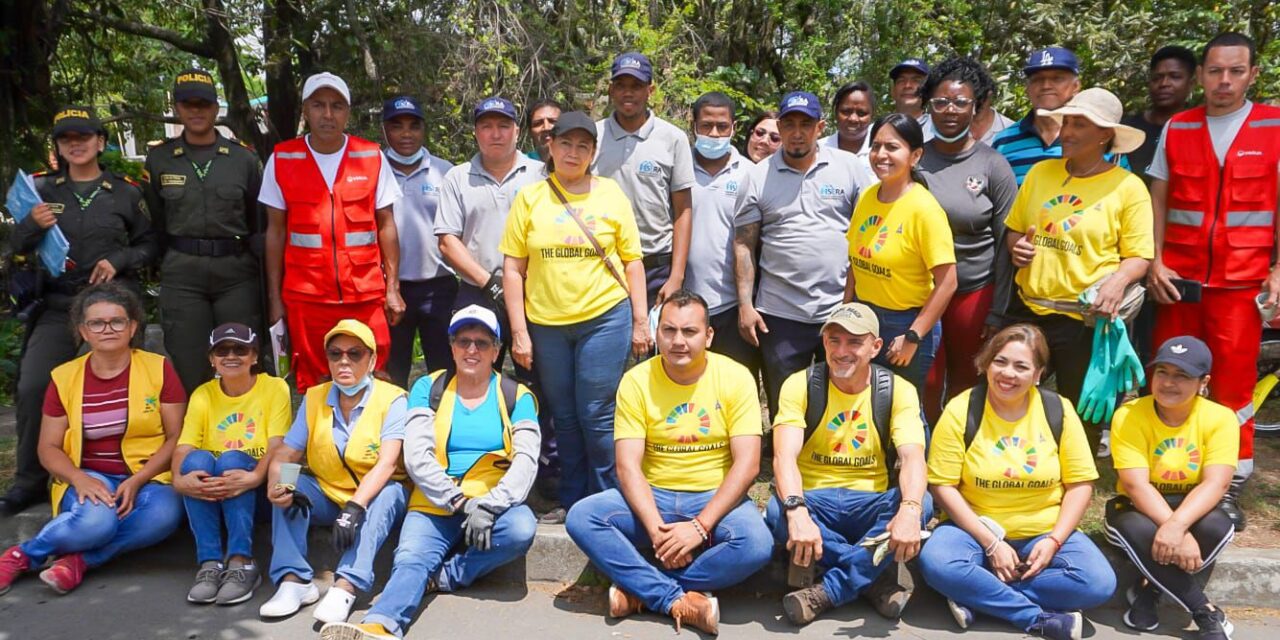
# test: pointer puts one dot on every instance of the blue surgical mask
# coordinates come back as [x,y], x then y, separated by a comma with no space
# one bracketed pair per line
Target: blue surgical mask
[711,148]
[355,388]
[959,136]
[413,159]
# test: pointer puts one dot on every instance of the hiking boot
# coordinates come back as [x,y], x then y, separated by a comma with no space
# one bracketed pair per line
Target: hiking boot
[1144,606]
[66,573]
[238,583]
[1059,626]
[12,564]
[1212,624]
[962,614]
[1231,504]
[205,590]
[622,604]
[891,590]
[803,606]
[348,631]
[699,611]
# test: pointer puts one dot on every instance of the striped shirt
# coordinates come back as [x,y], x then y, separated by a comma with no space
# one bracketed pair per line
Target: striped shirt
[1022,146]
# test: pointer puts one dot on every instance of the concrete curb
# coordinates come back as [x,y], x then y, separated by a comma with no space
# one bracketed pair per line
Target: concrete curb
[1240,578]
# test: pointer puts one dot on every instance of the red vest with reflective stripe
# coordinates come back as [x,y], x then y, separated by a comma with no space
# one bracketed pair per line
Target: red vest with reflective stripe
[331,248]
[1220,227]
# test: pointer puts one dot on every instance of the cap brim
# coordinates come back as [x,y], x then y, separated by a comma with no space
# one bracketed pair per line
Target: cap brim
[1027,71]
[1176,362]
[252,343]
[75,128]
[1127,140]
[634,73]
[852,327]
[590,131]
[800,110]
[486,112]
[401,112]
[328,85]
[372,346]
[183,95]
[467,322]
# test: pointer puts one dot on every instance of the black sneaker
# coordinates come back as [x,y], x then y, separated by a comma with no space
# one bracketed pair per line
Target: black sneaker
[1144,606]
[1212,624]
[1233,510]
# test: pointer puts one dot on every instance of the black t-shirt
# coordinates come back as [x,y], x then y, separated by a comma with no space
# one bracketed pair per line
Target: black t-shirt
[1140,158]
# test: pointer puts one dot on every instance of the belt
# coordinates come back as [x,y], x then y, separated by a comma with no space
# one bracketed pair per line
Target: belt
[209,247]
[657,260]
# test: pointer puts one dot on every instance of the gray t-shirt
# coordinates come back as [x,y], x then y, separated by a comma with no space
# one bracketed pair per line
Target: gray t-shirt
[710,271]
[649,165]
[1222,131]
[976,188]
[474,206]
[803,221]
[415,215]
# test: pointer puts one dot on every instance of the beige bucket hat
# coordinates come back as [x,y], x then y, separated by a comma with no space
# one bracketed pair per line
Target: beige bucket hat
[1102,108]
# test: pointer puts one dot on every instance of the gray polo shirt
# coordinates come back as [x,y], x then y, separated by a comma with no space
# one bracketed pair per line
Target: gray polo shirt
[415,215]
[804,254]
[474,206]
[710,272]
[649,165]
[864,176]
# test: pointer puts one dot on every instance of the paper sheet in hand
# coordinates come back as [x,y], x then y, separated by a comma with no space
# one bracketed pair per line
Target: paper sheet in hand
[21,199]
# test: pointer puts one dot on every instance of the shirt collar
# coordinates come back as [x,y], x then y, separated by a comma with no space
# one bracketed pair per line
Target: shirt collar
[735,160]
[823,158]
[423,165]
[334,394]
[523,163]
[616,131]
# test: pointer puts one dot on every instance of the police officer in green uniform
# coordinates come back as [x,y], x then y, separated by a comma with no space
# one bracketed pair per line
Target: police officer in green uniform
[202,192]
[104,219]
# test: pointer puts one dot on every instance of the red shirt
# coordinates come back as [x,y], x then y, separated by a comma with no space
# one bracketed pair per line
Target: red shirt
[105,414]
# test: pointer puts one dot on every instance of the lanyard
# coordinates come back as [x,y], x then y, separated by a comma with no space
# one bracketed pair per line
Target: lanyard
[85,201]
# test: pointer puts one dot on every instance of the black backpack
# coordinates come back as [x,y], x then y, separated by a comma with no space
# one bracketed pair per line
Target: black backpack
[881,409]
[508,386]
[1050,400]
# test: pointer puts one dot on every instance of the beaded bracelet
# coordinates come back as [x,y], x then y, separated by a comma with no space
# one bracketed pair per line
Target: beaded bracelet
[1055,541]
[992,549]
[697,526]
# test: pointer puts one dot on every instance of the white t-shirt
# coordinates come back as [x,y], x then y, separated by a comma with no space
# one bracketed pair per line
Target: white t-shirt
[388,189]
[1222,131]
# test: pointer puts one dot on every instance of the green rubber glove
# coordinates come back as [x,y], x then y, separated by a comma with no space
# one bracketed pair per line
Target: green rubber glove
[1095,379]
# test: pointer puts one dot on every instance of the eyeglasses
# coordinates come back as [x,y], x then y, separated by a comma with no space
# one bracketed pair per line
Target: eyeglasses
[466,343]
[224,350]
[100,326]
[942,104]
[761,133]
[355,355]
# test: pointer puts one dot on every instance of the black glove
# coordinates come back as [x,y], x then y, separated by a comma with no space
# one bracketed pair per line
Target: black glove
[494,288]
[301,505]
[345,527]
[478,527]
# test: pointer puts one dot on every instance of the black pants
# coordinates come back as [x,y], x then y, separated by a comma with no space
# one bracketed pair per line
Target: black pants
[788,347]
[428,308]
[1134,533]
[1070,349]
[729,342]
[49,344]
[655,278]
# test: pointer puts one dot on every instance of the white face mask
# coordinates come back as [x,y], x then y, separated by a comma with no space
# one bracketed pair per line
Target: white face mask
[959,136]
[413,159]
[711,148]
[355,388]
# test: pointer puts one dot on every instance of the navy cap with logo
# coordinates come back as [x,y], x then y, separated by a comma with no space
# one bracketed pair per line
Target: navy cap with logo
[910,64]
[495,104]
[800,102]
[78,119]
[400,106]
[194,84]
[1051,58]
[233,332]
[1187,353]
[632,64]
[574,121]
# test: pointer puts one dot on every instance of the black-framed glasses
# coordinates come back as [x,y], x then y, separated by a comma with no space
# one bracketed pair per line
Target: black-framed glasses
[100,326]
[224,350]
[355,355]
[481,344]
[761,132]
[942,104]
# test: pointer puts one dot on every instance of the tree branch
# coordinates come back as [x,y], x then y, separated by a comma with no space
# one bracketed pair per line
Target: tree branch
[200,48]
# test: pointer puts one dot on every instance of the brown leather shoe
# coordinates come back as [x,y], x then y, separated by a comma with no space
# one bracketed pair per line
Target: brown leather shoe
[803,606]
[699,611]
[622,604]
[890,592]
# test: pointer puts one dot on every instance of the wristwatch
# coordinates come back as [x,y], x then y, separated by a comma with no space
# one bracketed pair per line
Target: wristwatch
[791,503]
[911,336]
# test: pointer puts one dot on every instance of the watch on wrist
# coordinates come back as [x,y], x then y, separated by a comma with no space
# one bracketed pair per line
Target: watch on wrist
[791,503]
[911,336]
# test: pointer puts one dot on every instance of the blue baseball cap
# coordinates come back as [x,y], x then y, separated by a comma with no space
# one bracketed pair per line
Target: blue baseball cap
[913,64]
[399,106]
[1051,58]
[475,315]
[494,104]
[632,64]
[800,102]
[1187,353]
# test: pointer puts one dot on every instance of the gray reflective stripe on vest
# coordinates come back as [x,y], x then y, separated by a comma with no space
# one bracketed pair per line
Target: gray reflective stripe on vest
[1186,216]
[1245,414]
[1250,218]
[306,240]
[291,155]
[1185,125]
[363,154]
[1270,122]
[360,238]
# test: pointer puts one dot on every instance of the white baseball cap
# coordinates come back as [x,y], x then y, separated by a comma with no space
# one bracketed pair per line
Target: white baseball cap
[475,314]
[325,80]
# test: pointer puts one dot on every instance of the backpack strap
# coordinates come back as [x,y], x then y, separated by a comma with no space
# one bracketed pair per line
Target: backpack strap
[815,398]
[509,387]
[1052,403]
[882,417]
[1049,400]
[437,389]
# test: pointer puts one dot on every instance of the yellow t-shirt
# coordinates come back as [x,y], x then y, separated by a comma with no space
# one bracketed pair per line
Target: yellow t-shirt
[1175,456]
[1014,471]
[1084,228]
[686,428]
[566,281]
[217,422]
[844,452]
[892,247]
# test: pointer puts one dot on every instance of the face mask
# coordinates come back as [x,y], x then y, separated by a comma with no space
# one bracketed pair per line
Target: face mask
[711,148]
[355,388]
[413,159]
[959,136]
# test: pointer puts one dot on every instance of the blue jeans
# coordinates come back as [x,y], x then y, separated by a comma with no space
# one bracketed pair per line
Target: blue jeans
[604,527]
[896,323]
[95,531]
[289,534]
[845,517]
[580,366]
[1078,577]
[426,543]
[207,517]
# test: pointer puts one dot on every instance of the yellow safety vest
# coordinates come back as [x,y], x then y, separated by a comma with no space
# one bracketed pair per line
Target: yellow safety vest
[339,473]
[143,433]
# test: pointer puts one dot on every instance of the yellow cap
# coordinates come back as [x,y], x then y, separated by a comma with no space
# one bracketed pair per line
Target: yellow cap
[856,318]
[354,328]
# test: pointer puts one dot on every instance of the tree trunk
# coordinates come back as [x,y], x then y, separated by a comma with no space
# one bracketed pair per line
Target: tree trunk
[241,116]
[27,101]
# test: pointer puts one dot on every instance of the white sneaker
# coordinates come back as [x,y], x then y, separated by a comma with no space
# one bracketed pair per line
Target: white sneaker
[336,606]
[1104,444]
[289,597]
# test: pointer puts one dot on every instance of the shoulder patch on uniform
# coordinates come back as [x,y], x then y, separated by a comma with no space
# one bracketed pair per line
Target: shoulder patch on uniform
[172,180]
[106,184]
[244,144]
[179,150]
[56,207]
[222,151]
[60,180]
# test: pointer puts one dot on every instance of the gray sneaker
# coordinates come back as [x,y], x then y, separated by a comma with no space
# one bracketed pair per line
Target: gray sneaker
[205,590]
[238,584]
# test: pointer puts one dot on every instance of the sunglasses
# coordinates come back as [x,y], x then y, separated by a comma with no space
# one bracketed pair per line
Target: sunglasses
[761,133]
[100,326]
[354,355]
[466,343]
[224,350]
